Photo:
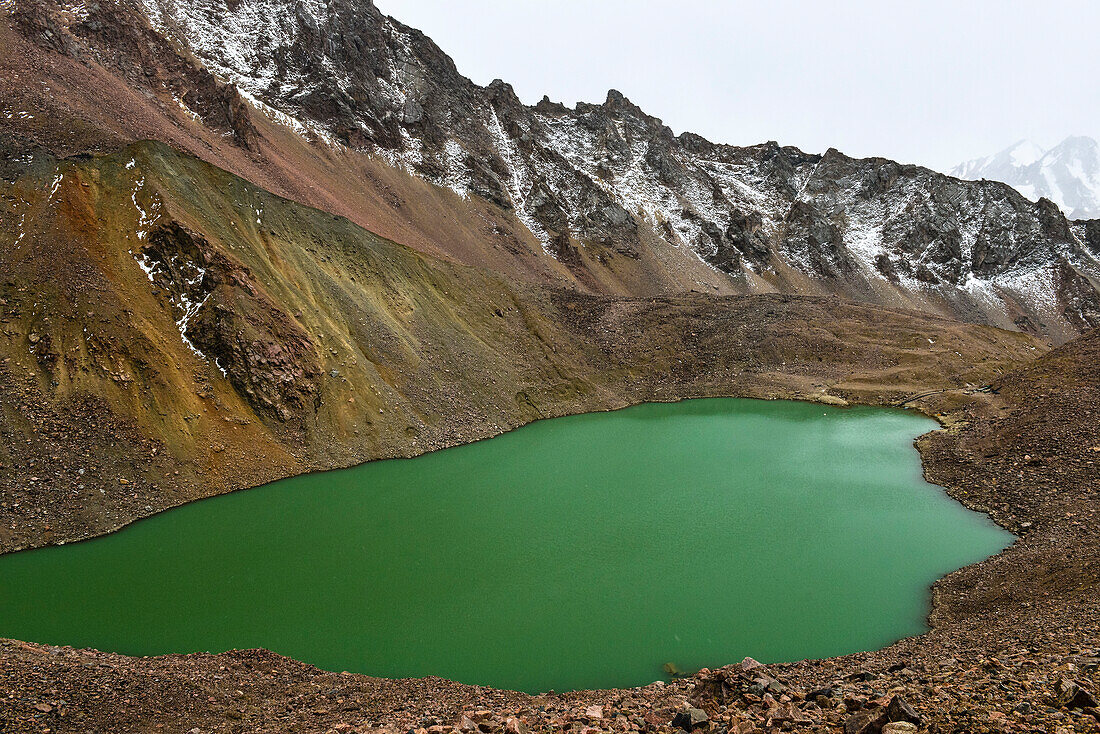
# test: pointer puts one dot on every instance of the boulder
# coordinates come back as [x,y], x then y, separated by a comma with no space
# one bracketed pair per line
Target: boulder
[1072,695]
[827,692]
[690,719]
[874,721]
[899,727]
[899,710]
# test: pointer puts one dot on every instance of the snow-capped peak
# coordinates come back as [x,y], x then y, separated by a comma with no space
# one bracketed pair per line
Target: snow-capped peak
[1019,154]
[1025,152]
[1068,174]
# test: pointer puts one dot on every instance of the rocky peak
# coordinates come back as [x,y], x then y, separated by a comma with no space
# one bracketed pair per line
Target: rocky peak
[617,105]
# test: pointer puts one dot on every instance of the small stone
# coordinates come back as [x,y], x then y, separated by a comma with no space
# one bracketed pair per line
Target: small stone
[899,727]
[749,664]
[594,712]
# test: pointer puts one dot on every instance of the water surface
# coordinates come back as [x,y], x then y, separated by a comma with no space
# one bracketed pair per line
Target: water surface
[572,553]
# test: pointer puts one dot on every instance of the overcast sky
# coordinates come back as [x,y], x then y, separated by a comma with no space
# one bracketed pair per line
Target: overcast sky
[932,82]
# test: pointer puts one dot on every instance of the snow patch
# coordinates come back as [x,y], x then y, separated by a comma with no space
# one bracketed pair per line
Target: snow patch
[55,185]
[457,178]
[19,227]
[183,302]
[147,265]
[186,110]
[190,308]
[519,185]
[78,11]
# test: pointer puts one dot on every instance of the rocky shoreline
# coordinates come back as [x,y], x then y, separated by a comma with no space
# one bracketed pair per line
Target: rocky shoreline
[1014,644]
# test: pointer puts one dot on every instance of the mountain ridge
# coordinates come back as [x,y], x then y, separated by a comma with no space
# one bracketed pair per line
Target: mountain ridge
[605,195]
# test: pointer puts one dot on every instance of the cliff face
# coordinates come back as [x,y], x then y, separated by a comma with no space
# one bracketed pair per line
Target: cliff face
[603,197]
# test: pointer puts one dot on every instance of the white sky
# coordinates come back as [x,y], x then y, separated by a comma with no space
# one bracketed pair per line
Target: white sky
[934,82]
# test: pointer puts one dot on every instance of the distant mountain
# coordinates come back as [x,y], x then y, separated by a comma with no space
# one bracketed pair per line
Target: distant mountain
[1067,174]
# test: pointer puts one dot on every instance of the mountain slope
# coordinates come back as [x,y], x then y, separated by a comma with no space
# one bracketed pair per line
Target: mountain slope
[602,177]
[601,198]
[170,331]
[1067,174]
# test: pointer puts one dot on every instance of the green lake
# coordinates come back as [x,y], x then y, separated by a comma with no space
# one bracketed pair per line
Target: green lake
[577,552]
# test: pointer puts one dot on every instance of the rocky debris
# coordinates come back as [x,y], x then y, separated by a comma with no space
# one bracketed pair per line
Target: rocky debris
[70,690]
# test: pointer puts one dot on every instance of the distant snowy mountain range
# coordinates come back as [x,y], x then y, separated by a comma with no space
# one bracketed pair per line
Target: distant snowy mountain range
[1068,174]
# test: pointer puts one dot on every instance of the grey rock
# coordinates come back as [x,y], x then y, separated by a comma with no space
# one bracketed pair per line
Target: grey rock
[690,719]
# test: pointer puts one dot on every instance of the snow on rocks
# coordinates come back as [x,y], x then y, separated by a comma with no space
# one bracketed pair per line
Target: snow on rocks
[596,173]
[519,185]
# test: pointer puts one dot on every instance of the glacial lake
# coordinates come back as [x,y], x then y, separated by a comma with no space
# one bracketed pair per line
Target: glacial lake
[577,552]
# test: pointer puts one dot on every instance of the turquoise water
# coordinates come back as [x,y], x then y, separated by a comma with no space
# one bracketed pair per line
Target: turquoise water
[577,552]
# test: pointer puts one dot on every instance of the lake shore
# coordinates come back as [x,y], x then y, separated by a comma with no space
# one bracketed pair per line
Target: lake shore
[1013,647]
[448,563]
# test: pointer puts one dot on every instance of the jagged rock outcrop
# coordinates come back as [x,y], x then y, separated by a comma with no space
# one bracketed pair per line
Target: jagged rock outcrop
[224,316]
[116,35]
[598,174]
